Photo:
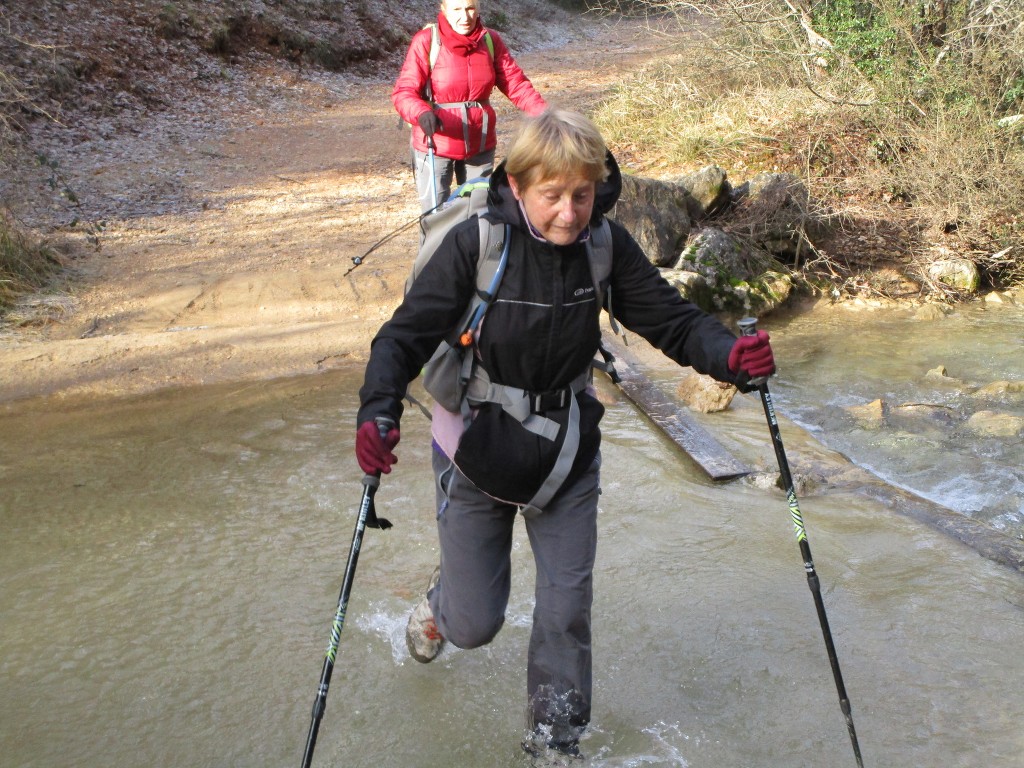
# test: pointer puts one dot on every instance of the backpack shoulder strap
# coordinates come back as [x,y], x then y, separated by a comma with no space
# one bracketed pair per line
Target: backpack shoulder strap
[435,48]
[489,41]
[492,241]
[599,252]
[435,43]
[495,241]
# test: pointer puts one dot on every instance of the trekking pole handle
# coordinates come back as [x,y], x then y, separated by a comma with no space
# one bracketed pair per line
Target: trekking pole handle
[384,425]
[748,327]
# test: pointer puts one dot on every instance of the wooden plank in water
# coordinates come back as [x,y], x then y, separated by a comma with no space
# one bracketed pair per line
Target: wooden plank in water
[674,420]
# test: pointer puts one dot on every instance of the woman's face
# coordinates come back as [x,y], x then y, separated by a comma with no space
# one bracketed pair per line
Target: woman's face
[559,207]
[461,14]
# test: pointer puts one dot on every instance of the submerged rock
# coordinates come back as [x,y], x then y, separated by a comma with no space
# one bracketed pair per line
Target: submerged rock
[870,415]
[922,417]
[998,389]
[704,394]
[994,424]
[931,312]
[938,376]
[911,417]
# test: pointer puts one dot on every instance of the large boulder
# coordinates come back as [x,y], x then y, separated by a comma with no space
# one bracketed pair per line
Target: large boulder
[655,213]
[773,211]
[708,190]
[692,287]
[960,274]
[739,265]
[740,279]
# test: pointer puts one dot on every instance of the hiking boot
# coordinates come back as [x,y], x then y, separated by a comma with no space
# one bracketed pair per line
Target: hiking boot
[422,637]
[553,746]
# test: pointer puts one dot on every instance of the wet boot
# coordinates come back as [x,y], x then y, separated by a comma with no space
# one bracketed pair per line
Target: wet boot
[422,637]
[554,745]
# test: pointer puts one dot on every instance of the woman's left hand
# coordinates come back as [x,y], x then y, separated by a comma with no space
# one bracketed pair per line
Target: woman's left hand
[753,356]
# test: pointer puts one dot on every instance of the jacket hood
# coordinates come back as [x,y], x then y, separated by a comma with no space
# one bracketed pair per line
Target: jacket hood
[501,200]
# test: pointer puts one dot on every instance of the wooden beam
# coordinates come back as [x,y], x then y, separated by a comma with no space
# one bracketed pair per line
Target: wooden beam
[674,420]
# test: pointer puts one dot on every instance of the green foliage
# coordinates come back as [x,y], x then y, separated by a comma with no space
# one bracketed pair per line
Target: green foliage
[861,32]
[1013,98]
[947,55]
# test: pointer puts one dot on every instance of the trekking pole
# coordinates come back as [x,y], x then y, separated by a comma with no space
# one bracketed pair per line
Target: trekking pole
[367,517]
[748,327]
[433,176]
[358,260]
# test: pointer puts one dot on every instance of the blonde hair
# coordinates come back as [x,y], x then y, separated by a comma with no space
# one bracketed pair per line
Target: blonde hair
[557,143]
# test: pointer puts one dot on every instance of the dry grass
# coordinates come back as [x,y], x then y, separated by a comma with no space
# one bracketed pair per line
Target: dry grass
[682,112]
[914,163]
[26,264]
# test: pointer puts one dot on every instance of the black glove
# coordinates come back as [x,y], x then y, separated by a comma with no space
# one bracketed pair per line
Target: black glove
[429,122]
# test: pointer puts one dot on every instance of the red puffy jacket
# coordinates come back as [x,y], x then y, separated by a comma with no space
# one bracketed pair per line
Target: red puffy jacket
[458,80]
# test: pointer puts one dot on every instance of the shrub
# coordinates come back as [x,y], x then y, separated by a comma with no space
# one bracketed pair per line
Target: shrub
[909,106]
[25,263]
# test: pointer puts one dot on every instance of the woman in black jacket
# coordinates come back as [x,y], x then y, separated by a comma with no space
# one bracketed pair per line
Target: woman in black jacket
[527,439]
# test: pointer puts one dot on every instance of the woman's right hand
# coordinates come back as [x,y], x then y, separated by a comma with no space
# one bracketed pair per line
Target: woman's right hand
[374,451]
[429,122]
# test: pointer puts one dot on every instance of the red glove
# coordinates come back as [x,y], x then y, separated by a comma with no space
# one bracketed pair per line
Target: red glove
[753,356]
[374,452]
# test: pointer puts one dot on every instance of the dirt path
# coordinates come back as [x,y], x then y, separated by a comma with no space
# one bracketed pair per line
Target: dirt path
[246,272]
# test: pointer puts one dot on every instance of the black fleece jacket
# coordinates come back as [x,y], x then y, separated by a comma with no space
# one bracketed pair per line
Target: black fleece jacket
[543,329]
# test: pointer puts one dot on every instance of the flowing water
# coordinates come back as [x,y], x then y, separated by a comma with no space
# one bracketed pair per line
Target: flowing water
[170,567]
[836,360]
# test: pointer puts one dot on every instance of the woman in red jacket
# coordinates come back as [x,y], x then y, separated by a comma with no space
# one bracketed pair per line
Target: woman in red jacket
[443,92]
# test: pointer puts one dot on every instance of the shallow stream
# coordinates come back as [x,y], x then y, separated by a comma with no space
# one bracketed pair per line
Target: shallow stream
[831,362]
[170,566]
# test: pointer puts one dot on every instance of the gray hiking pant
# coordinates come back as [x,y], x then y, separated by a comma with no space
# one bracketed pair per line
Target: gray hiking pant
[444,170]
[469,603]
